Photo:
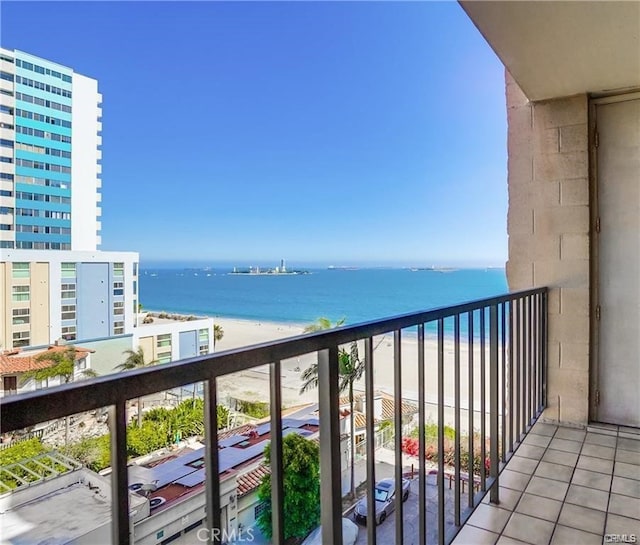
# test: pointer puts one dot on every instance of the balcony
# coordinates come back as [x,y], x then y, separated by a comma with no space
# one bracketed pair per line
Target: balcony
[493,383]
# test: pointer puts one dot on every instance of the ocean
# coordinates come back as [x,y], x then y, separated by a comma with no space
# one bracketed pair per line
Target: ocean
[355,295]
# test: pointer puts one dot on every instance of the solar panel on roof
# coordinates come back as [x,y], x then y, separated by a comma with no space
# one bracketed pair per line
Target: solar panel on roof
[312,421]
[193,479]
[166,475]
[292,423]
[233,440]
[305,433]
[263,428]
[289,431]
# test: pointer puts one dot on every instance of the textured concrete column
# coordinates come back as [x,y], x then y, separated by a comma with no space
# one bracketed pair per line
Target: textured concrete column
[548,226]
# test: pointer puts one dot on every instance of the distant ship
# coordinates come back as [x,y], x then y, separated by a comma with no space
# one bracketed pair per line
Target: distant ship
[334,268]
[277,271]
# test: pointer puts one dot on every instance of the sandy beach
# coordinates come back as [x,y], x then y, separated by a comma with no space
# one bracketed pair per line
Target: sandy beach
[254,384]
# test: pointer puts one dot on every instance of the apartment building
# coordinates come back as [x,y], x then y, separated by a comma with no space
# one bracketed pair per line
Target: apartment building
[49,155]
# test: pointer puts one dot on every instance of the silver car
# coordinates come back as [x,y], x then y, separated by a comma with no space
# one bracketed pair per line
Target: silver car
[385,494]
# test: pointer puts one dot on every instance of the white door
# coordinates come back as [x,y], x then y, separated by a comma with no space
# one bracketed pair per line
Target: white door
[618,182]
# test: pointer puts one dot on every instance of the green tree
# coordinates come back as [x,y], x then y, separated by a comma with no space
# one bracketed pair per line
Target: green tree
[218,333]
[301,485]
[135,360]
[62,366]
[350,370]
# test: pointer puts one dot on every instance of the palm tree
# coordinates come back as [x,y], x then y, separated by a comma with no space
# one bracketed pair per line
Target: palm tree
[350,370]
[218,333]
[135,360]
[63,365]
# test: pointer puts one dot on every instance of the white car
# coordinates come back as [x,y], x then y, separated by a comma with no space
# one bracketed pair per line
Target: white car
[385,494]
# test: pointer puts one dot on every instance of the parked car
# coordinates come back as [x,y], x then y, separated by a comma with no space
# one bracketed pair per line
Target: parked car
[385,495]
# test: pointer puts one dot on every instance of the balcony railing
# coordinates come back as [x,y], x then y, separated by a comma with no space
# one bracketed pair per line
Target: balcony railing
[506,340]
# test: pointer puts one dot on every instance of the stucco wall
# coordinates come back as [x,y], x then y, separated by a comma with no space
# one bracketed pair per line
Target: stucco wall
[548,226]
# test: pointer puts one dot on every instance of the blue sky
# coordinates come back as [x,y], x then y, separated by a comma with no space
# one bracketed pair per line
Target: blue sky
[328,132]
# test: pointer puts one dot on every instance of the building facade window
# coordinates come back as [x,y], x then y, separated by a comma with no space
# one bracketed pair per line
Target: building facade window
[21,338]
[118,269]
[118,288]
[20,270]
[69,333]
[163,341]
[118,308]
[203,341]
[20,316]
[118,328]
[68,291]
[68,270]
[68,312]
[20,294]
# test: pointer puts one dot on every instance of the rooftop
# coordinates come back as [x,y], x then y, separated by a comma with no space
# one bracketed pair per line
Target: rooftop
[16,361]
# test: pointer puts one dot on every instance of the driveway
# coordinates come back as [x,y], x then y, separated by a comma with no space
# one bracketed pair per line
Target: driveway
[385,532]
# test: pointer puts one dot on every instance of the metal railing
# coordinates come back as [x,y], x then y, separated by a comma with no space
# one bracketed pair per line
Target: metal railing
[505,339]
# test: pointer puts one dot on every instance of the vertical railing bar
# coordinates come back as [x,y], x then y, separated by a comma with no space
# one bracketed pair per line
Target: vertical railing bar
[277,468]
[516,369]
[503,382]
[534,361]
[397,385]
[441,506]
[422,479]
[456,383]
[212,465]
[470,409]
[120,531]
[370,444]
[525,359]
[530,360]
[330,485]
[483,395]
[511,383]
[541,351]
[545,345]
[493,401]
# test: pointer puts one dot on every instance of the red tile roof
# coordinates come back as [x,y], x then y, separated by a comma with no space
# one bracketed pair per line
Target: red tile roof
[251,480]
[14,361]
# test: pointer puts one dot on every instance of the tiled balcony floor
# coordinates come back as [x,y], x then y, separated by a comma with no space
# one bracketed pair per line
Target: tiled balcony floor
[564,486]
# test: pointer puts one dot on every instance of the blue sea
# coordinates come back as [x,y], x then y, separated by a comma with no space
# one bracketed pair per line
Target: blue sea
[355,295]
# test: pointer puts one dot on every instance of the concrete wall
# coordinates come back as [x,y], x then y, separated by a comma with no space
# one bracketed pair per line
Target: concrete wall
[548,226]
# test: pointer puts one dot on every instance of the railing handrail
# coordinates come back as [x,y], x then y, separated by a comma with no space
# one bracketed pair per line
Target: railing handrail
[30,408]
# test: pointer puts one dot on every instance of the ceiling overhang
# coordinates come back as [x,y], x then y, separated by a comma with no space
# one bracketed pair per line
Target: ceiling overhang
[556,49]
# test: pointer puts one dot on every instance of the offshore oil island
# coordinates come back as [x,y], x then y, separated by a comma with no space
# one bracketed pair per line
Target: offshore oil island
[277,271]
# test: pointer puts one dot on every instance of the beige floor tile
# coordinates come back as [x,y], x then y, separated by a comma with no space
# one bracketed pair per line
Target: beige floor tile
[560,457]
[490,518]
[565,445]
[582,518]
[554,471]
[521,464]
[629,471]
[627,457]
[624,506]
[504,540]
[508,498]
[600,439]
[570,433]
[530,451]
[601,428]
[626,487]
[622,525]
[628,435]
[514,480]
[592,479]
[529,529]
[588,497]
[542,508]
[595,464]
[570,536]
[597,451]
[632,431]
[470,535]
[540,428]
[547,488]
[629,444]
[537,440]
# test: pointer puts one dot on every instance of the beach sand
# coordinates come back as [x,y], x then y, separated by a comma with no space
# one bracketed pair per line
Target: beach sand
[254,384]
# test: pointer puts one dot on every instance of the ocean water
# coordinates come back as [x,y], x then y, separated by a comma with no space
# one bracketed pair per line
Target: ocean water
[355,295]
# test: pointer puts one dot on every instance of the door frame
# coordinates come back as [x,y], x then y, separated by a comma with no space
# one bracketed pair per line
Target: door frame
[594,241]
